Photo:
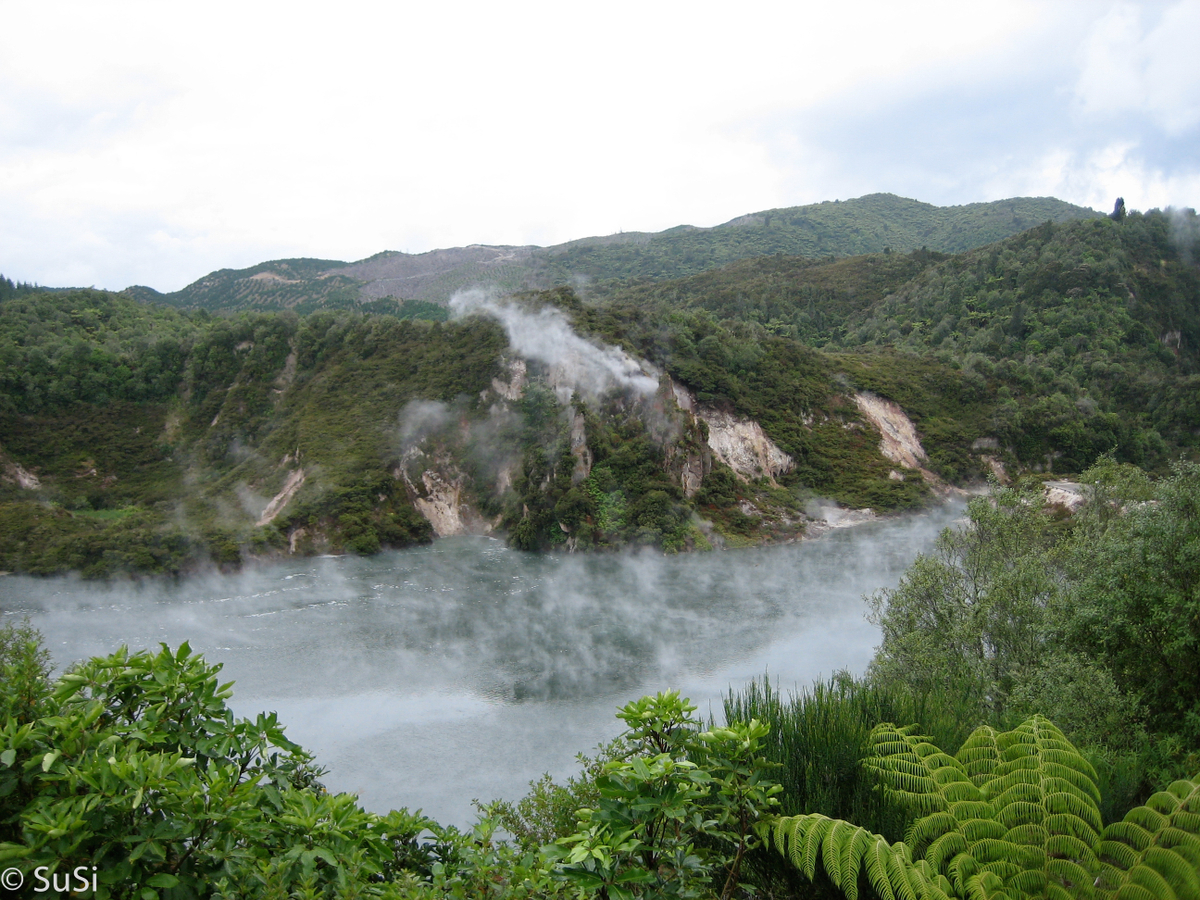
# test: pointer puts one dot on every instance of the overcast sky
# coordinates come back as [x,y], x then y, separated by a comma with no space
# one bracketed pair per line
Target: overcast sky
[150,142]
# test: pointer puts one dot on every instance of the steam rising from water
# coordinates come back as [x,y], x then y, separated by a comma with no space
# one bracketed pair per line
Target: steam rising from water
[428,677]
[547,337]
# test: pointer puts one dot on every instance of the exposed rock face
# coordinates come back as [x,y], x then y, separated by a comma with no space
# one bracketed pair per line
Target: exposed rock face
[15,473]
[996,467]
[580,449]
[442,504]
[898,438]
[514,387]
[738,442]
[742,445]
[293,483]
[438,494]
[692,473]
[899,441]
[1064,493]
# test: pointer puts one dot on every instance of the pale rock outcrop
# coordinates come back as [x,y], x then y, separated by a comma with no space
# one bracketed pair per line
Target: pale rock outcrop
[580,449]
[898,438]
[15,473]
[514,387]
[691,474]
[899,441]
[742,445]
[438,494]
[295,480]
[442,504]
[1067,494]
[996,467]
[737,441]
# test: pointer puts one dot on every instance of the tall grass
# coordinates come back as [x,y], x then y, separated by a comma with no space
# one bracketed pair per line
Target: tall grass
[819,738]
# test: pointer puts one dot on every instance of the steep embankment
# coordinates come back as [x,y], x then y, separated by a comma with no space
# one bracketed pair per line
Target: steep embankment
[273,434]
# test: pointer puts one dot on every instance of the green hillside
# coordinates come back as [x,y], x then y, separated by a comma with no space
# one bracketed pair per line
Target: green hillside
[134,436]
[868,224]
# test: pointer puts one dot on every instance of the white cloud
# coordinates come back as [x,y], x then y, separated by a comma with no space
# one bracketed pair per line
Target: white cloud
[148,142]
[1134,67]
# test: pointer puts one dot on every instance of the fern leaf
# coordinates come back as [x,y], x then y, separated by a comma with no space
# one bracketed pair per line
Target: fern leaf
[980,755]
[844,849]
[928,829]
[1155,849]
[917,772]
[986,886]
[942,851]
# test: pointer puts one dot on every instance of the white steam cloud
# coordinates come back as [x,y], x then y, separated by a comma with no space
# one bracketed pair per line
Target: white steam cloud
[1185,232]
[546,337]
[421,418]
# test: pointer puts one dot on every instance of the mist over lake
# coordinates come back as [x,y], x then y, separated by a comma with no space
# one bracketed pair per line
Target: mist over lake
[434,676]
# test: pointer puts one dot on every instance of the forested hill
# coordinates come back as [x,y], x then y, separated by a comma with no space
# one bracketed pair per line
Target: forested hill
[865,225]
[727,409]
[1086,335]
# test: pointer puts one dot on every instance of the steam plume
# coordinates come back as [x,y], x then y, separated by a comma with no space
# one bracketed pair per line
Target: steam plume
[547,337]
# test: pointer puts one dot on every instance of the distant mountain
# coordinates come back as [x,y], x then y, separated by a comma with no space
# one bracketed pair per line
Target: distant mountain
[869,224]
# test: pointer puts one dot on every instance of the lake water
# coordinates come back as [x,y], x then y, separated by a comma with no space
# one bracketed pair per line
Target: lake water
[430,677]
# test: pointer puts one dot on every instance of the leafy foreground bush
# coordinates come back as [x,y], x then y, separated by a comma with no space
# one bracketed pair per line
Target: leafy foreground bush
[131,774]
[132,771]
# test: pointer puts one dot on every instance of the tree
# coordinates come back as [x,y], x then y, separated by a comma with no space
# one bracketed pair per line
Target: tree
[1135,604]
[973,612]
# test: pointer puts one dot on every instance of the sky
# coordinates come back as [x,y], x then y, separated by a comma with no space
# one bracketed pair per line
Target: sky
[151,143]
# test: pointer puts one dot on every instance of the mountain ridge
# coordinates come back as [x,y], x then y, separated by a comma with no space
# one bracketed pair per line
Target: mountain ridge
[872,223]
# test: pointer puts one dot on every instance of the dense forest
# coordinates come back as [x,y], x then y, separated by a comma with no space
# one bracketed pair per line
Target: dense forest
[1036,354]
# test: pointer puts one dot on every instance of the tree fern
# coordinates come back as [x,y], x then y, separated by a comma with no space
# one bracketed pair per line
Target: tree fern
[1012,815]
[1154,851]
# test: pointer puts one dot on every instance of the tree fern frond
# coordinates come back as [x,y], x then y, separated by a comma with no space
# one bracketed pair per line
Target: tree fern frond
[972,809]
[928,829]
[916,771]
[1021,812]
[1028,834]
[1127,834]
[845,849]
[979,830]
[851,860]
[1027,883]
[837,843]
[986,886]
[980,754]
[944,849]
[1015,787]
[876,862]
[1152,881]
[1086,813]
[962,869]
[1156,847]
[1072,877]
[1137,892]
[1067,846]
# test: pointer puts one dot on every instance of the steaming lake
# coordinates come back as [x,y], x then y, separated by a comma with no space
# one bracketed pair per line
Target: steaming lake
[430,677]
